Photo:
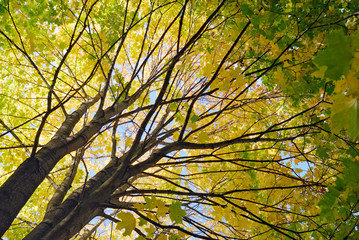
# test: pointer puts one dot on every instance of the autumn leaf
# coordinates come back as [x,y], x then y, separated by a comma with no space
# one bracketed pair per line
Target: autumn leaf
[162,237]
[127,222]
[162,209]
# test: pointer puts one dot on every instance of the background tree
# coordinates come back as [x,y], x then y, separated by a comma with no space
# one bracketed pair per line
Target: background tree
[179,119]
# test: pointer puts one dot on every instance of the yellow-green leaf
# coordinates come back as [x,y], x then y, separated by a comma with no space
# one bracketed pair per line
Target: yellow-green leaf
[127,222]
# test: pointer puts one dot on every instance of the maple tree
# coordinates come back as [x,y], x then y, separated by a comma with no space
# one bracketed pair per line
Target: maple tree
[179,119]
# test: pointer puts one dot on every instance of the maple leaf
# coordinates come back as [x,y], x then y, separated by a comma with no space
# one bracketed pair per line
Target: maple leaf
[337,56]
[176,212]
[127,222]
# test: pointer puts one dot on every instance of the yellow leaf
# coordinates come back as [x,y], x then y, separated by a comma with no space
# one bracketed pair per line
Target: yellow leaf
[162,237]
[286,64]
[128,141]
[272,152]
[181,234]
[320,73]
[150,230]
[280,78]
[355,63]
[225,85]
[161,208]
[217,213]
[207,70]
[252,207]
[139,206]
[175,135]
[274,48]
[181,67]
[127,222]
[203,136]
[240,80]
[221,84]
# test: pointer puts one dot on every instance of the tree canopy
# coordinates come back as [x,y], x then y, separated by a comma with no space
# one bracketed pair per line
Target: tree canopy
[179,119]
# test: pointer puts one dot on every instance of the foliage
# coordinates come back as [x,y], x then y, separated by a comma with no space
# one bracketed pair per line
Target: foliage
[179,119]
[339,206]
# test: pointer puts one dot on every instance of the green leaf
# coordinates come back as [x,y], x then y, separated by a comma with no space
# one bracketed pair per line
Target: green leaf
[194,118]
[178,116]
[340,184]
[322,153]
[345,114]
[337,56]
[351,171]
[142,222]
[150,231]
[173,106]
[176,212]
[255,21]
[2,9]
[174,237]
[150,202]
[246,10]
[113,89]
